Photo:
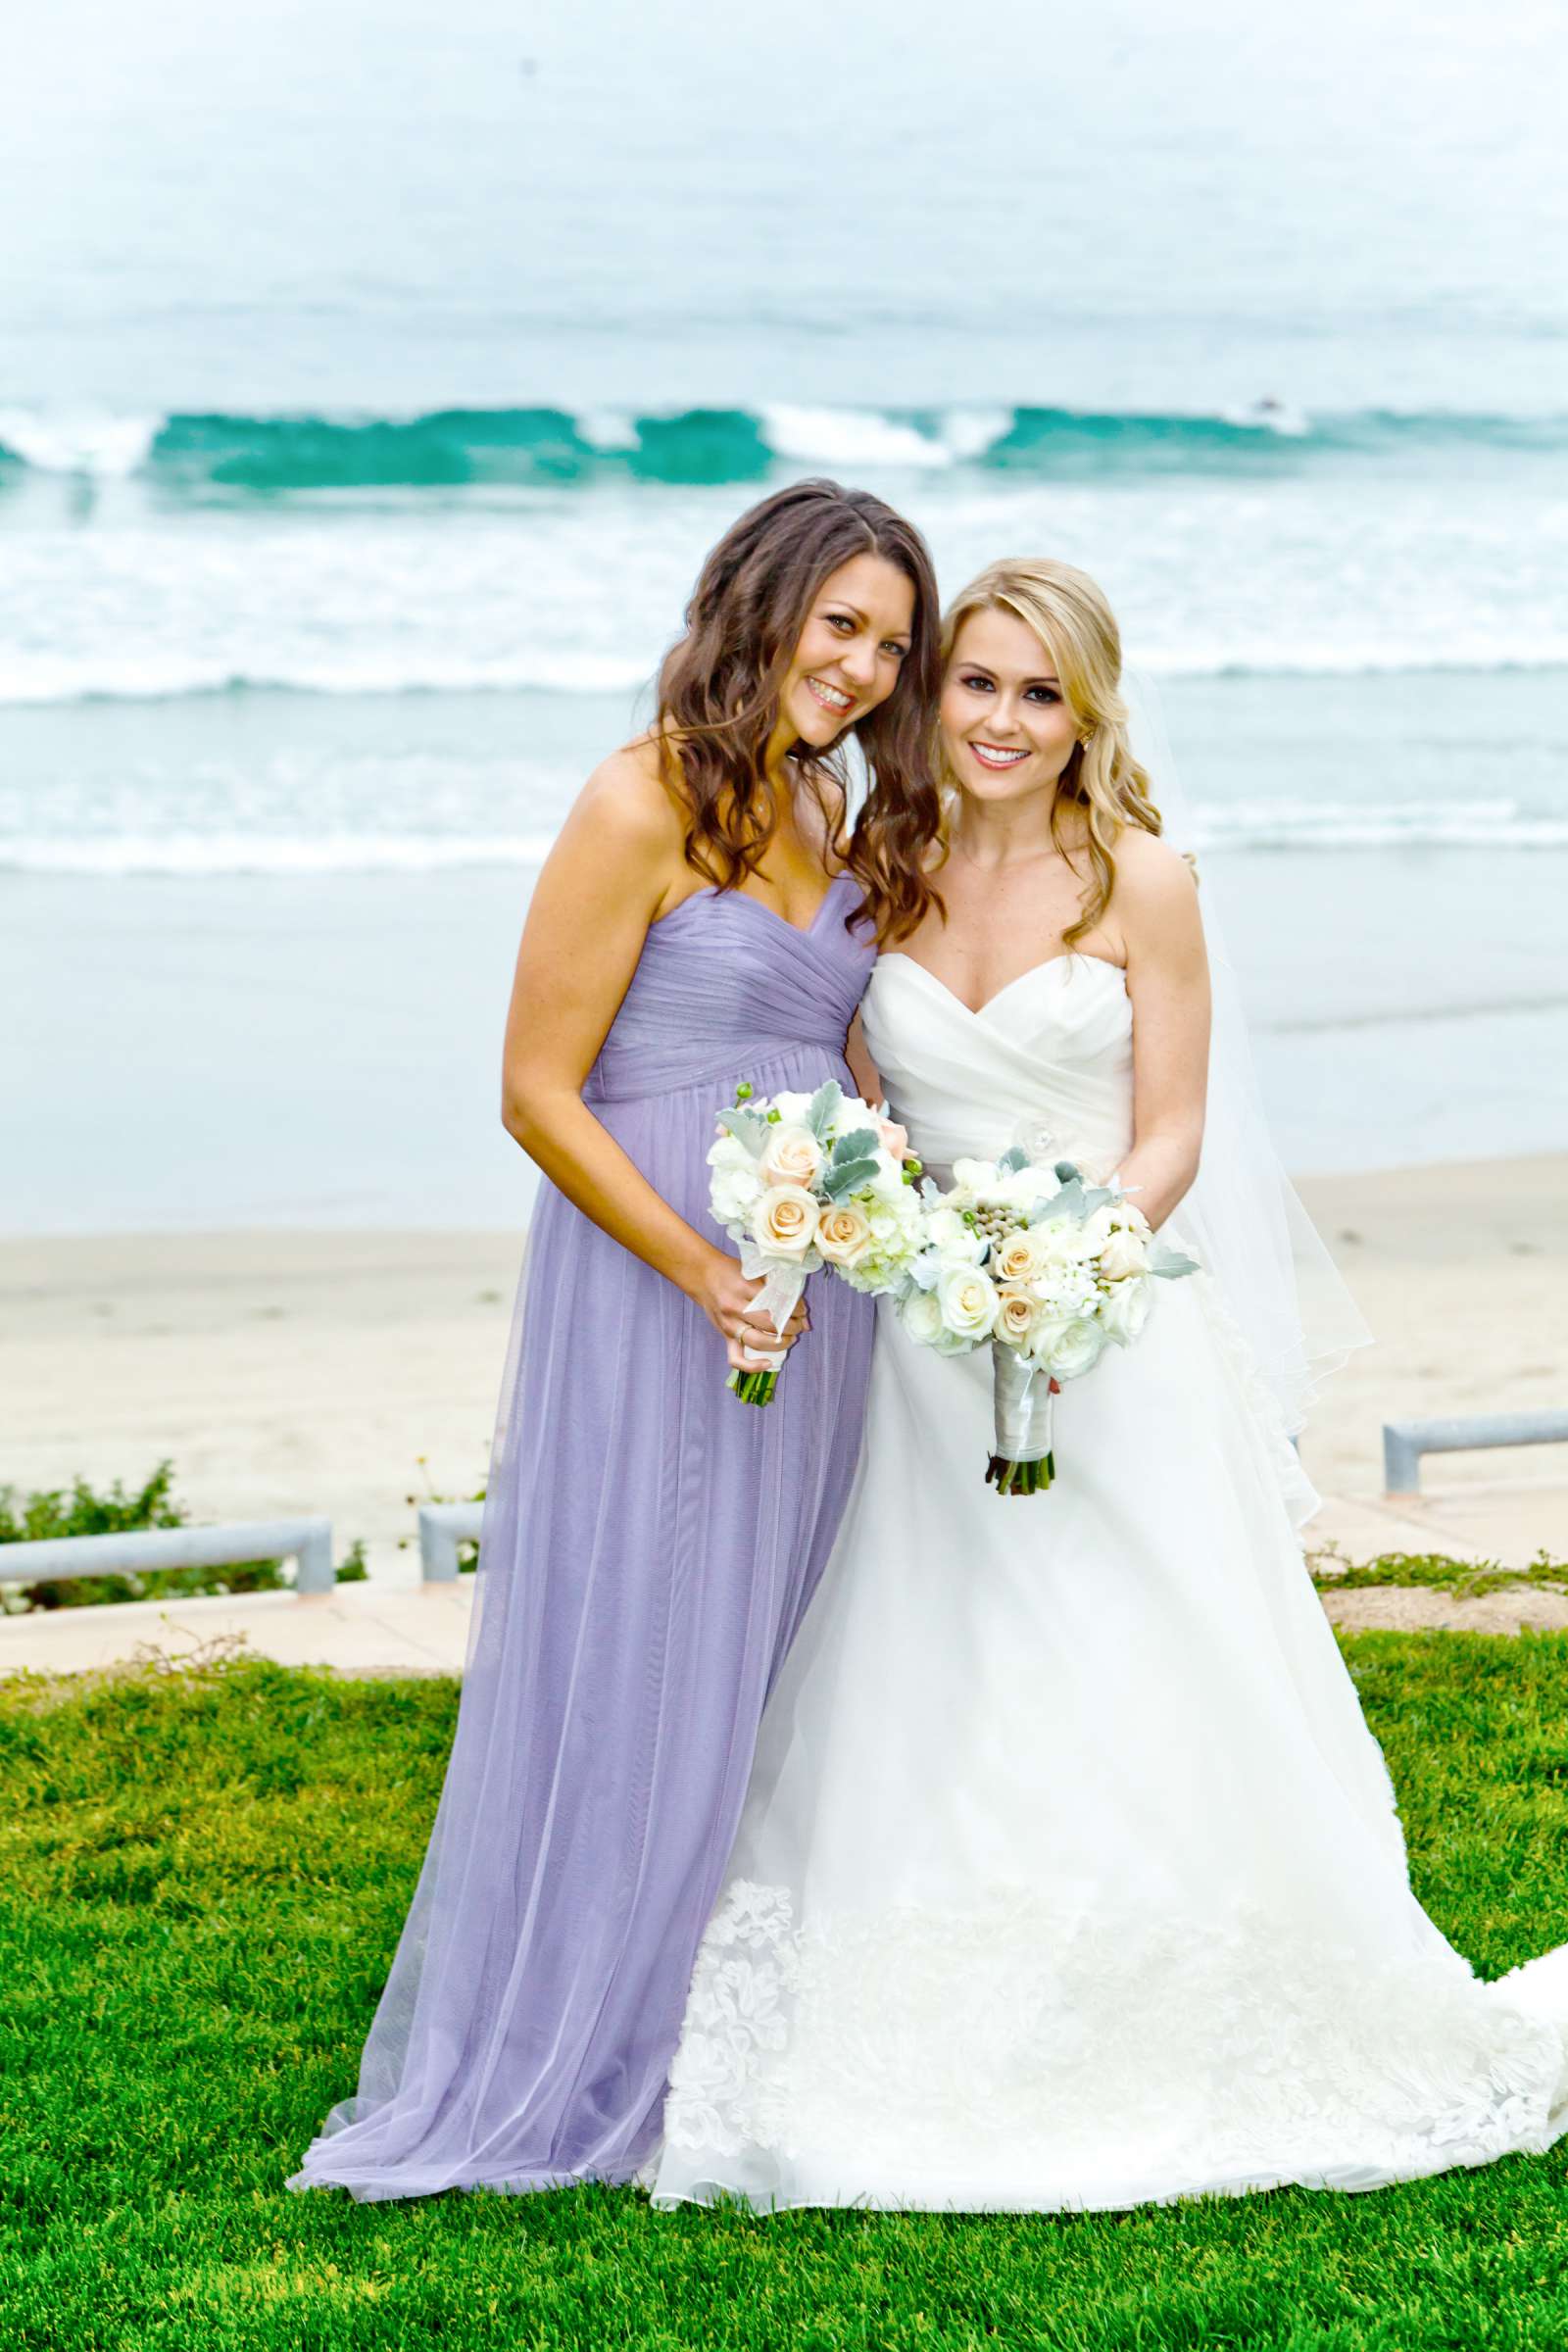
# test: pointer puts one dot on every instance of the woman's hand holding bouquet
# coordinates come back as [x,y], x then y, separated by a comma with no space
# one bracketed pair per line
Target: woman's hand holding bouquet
[801,1181]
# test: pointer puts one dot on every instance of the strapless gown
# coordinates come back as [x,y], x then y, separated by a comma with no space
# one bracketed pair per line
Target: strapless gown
[1071,1875]
[649,1547]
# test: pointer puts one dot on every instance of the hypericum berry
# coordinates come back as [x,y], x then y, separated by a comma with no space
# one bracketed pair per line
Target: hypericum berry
[997,1222]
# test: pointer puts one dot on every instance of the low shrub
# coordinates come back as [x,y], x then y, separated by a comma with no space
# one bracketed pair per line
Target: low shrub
[81,1509]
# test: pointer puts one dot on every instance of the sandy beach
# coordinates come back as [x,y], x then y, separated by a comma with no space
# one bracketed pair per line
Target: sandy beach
[345,1372]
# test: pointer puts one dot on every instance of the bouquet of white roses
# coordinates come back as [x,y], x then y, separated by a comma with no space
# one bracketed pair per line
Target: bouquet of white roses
[1050,1270]
[801,1181]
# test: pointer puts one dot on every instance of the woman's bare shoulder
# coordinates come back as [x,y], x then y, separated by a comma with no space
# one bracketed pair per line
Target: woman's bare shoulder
[627,802]
[1152,876]
[1156,903]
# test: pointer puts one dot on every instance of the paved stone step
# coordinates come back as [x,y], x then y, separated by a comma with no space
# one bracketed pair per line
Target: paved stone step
[358,1629]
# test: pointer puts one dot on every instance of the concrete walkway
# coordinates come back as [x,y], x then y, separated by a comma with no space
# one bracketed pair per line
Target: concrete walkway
[358,1629]
[1512,1522]
[387,1628]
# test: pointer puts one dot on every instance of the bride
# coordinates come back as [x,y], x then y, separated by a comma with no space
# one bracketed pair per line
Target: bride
[1069,1875]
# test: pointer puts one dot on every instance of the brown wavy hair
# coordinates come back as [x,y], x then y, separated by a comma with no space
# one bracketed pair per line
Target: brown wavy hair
[719,699]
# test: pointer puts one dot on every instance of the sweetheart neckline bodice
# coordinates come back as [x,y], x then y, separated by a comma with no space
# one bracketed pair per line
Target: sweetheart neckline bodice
[1050,1055]
[978,1012]
[747,897]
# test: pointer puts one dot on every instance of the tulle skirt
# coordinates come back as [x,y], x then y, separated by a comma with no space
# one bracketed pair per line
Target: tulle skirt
[649,1547]
[1070,1874]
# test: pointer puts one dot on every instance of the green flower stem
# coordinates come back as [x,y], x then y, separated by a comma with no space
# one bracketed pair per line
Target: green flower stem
[1021,1478]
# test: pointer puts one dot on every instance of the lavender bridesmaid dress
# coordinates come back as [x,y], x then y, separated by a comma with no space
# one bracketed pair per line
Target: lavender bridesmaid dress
[650,1545]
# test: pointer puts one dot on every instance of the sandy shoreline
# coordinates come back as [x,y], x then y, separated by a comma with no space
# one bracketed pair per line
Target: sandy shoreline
[287,1371]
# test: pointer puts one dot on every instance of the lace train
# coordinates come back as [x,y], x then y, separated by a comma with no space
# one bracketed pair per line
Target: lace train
[819,2064]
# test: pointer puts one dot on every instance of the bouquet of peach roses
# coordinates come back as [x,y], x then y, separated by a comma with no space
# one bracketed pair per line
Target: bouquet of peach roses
[1048,1268]
[800,1181]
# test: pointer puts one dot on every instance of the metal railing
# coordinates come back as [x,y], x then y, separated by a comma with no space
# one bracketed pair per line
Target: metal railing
[443,1528]
[308,1542]
[1405,1441]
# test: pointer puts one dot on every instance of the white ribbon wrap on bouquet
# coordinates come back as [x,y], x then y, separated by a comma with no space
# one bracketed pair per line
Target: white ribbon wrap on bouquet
[1021,1402]
[782,1290]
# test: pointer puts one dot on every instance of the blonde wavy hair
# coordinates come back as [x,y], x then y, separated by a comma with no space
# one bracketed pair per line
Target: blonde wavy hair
[1067,612]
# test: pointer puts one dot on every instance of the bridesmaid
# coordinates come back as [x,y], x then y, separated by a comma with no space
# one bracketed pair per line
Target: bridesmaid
[650,1543]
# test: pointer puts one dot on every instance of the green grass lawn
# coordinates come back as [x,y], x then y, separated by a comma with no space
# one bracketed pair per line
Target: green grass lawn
[205,1874]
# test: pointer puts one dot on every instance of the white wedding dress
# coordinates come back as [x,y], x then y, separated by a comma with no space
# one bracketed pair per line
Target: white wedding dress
[1069,1875]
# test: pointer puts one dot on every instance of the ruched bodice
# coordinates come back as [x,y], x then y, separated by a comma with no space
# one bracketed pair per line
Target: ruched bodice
[1047,1063]
[725,985]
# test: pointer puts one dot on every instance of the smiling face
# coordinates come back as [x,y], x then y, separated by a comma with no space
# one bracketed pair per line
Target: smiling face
[1006,727]
[850,652]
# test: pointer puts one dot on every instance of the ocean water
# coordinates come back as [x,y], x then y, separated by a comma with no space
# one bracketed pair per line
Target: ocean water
[370,388]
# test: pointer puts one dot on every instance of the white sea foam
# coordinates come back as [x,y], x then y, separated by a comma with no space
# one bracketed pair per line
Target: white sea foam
[574,595]
[1385,654]
[144,676]
[1285,824]
[1270,415]
[607,428]
[849,437]
[967,433]
[199,854]
[1218,828]
[282,450]
[81,441]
